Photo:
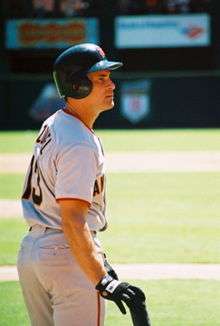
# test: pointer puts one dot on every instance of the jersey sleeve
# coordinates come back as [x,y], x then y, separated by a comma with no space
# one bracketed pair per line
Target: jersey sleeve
[76,173]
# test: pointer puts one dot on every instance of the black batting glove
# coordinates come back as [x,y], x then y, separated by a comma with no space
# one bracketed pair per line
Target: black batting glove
[119,292]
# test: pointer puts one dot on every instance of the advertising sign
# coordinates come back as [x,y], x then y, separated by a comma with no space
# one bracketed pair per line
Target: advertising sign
[50,33]
[162,31]
[135,100]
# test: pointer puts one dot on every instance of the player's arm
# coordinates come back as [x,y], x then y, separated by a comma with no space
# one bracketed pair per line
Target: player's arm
[75,228]
[77,233]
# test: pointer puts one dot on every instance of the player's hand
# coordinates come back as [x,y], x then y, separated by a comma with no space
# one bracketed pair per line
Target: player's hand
[110,269]
[120,292]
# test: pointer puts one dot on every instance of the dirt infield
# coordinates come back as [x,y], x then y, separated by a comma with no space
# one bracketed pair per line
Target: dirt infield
[10,208]
[135,162]
[146,271]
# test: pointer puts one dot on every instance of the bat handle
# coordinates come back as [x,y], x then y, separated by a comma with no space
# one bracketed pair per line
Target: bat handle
[140,316]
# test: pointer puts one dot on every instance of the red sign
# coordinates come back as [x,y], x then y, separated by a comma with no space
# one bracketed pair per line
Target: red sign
[50,33]
[31,33]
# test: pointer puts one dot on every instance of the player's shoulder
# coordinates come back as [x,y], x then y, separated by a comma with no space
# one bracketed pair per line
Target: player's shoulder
[70,131]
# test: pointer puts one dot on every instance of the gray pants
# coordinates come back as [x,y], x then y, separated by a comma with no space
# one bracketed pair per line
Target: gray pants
[56,291]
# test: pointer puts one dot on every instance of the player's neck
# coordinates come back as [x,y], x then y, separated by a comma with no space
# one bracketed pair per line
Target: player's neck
[82,114]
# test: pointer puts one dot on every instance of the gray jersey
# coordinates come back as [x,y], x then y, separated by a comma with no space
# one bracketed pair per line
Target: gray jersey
[68,162]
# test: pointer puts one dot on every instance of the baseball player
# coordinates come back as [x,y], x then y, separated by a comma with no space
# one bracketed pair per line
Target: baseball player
[62,268]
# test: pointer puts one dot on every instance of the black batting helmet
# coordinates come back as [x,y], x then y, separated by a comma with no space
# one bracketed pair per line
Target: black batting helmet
[71,68]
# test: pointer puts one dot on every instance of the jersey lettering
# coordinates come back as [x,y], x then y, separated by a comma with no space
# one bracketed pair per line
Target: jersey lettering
[27,191]
[44,135]
[31,190]
[42,148]
[99,186]
[37,199]
[96,189]
[44,138]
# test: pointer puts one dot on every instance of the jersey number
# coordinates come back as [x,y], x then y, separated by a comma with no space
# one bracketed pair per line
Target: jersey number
[32,191]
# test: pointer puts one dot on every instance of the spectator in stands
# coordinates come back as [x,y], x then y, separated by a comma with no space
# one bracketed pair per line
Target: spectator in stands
[162,6]
[178,6]
[74,7]
[43,8]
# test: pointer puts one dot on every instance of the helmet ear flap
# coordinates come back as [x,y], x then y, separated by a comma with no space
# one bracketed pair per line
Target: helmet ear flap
[81,87]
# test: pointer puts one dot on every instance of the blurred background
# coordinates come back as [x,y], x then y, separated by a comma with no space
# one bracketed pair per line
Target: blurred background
[170,50]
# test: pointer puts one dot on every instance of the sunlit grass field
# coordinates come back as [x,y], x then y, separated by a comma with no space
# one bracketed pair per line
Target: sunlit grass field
[128,140]
[170,302]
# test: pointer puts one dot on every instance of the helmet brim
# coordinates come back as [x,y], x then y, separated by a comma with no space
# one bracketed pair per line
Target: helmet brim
[105,65]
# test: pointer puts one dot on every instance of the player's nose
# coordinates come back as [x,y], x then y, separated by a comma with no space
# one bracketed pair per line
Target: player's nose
[111,84]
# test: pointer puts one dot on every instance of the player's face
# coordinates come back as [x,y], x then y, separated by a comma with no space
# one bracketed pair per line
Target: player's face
[102,95]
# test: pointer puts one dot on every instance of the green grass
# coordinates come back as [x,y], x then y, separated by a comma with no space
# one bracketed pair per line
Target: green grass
[17,141]
[160,140]
[12,230]
[164,217]
[160,217]
[170,302]
[11,186]
[127,140]
[12,307]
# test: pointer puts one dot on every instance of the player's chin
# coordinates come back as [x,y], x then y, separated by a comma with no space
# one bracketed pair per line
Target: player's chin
[109,104]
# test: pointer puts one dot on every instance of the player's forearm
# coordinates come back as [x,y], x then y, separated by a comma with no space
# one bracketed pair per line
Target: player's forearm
[83,248]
